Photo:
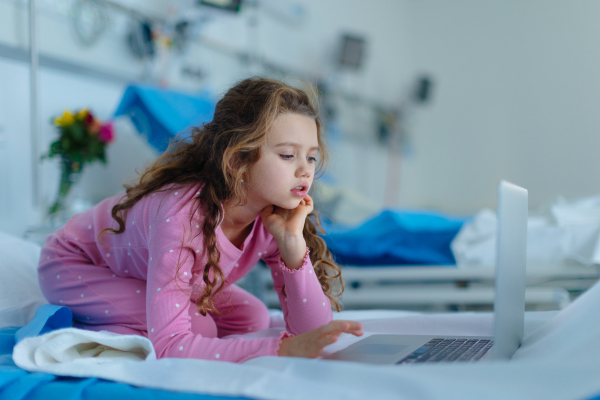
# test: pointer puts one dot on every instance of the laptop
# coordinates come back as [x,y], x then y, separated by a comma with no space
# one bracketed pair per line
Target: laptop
[509,305]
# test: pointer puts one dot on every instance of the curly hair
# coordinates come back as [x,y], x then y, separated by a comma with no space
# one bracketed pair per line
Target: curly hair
[218,155]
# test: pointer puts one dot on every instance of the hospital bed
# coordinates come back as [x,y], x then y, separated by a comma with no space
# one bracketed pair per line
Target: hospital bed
[401,259]
[559,358]
[434,288]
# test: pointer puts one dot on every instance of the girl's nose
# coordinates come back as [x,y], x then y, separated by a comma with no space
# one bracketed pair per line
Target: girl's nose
[304,170]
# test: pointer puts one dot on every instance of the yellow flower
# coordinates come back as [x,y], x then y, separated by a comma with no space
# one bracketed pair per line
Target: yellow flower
[67,119]
[82,114]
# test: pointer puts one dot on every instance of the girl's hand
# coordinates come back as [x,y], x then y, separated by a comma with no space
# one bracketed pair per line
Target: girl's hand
[282,221]
[310,344]
[286,227]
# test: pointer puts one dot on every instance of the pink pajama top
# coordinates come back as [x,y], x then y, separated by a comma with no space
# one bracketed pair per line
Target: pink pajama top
[159,236]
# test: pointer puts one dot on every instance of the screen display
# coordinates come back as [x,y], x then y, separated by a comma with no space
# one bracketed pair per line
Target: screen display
[228,5]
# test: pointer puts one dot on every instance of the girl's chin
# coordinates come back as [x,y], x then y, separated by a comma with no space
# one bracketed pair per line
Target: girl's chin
[289,205]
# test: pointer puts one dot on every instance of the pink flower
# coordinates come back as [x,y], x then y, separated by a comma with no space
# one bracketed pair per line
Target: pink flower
[106,134]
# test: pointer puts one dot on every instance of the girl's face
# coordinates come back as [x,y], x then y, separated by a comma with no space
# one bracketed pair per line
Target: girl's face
[285,170]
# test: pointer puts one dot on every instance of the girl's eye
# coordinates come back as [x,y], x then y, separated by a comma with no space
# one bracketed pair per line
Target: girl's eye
[312,159]
[286,156]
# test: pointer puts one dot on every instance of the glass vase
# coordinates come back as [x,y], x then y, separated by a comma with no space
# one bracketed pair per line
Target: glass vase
[69,176]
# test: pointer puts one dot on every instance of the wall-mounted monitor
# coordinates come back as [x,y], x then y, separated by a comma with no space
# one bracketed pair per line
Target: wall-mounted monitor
[352,51]
[227,5]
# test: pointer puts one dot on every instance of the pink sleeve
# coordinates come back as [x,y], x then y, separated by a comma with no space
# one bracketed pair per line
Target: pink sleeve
[168,300]
[305,306]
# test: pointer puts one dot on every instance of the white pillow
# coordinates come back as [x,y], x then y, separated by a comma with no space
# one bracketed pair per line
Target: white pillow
[20,293]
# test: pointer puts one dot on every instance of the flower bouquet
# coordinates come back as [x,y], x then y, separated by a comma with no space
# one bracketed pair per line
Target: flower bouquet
[82,140]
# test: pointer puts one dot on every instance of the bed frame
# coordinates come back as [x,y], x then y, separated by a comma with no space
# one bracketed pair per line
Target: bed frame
[441,288]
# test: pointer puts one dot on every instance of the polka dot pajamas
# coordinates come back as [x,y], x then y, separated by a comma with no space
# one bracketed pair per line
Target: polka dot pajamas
[144,281]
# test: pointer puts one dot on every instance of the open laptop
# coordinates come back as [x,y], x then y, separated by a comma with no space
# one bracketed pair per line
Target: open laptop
[509,305]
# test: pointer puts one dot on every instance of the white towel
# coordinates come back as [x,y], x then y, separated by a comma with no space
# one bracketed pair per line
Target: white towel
[76,347]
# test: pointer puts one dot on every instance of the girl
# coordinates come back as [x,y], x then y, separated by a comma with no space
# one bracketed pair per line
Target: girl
[161,260]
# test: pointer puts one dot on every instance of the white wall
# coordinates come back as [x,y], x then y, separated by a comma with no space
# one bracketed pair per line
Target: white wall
[517,96]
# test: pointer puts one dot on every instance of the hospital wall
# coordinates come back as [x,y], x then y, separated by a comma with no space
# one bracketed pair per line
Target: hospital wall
[515,96]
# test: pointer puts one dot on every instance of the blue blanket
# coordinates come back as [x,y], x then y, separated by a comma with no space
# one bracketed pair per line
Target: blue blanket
[18,384]
[161,114]
[395,237]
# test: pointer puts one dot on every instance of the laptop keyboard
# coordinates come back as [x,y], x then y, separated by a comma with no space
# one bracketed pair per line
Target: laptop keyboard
[449,350]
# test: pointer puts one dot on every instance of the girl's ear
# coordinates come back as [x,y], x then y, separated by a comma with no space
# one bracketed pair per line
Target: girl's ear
[229,161]
[232,164]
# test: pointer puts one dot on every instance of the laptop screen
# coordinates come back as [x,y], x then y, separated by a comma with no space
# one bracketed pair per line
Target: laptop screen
[511,257]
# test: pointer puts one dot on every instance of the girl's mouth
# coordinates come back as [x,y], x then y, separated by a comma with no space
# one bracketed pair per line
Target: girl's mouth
[300,190]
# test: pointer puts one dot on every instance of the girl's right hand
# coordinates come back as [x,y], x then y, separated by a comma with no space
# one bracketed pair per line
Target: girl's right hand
[310,344]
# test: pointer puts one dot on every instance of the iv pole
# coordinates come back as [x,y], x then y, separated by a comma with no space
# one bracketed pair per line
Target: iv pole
[33,81]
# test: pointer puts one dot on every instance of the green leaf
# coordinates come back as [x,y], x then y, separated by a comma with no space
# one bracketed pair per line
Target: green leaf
[78,133]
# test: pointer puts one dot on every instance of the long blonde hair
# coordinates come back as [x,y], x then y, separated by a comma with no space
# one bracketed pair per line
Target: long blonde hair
[218,155]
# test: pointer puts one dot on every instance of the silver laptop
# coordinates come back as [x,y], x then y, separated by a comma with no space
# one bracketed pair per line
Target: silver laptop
[509,305]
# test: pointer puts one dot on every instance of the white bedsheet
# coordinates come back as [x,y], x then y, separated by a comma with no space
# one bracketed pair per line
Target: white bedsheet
[565,233]
[559,359]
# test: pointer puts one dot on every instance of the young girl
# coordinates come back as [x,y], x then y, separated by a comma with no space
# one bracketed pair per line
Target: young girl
[161,260]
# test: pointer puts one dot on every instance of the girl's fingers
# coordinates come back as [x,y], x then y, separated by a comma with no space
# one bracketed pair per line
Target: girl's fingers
[330,333]
[308,203]
[305,207]
[266,212]
[332,339]
[326,340]
[342,327]
[332,326]
[308,200]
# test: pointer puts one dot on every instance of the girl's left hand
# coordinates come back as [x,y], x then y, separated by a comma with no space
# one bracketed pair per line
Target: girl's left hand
[286,226]
[284,222]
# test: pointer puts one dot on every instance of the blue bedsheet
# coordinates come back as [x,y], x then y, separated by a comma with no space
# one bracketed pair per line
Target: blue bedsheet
[395,237]
[18,384]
